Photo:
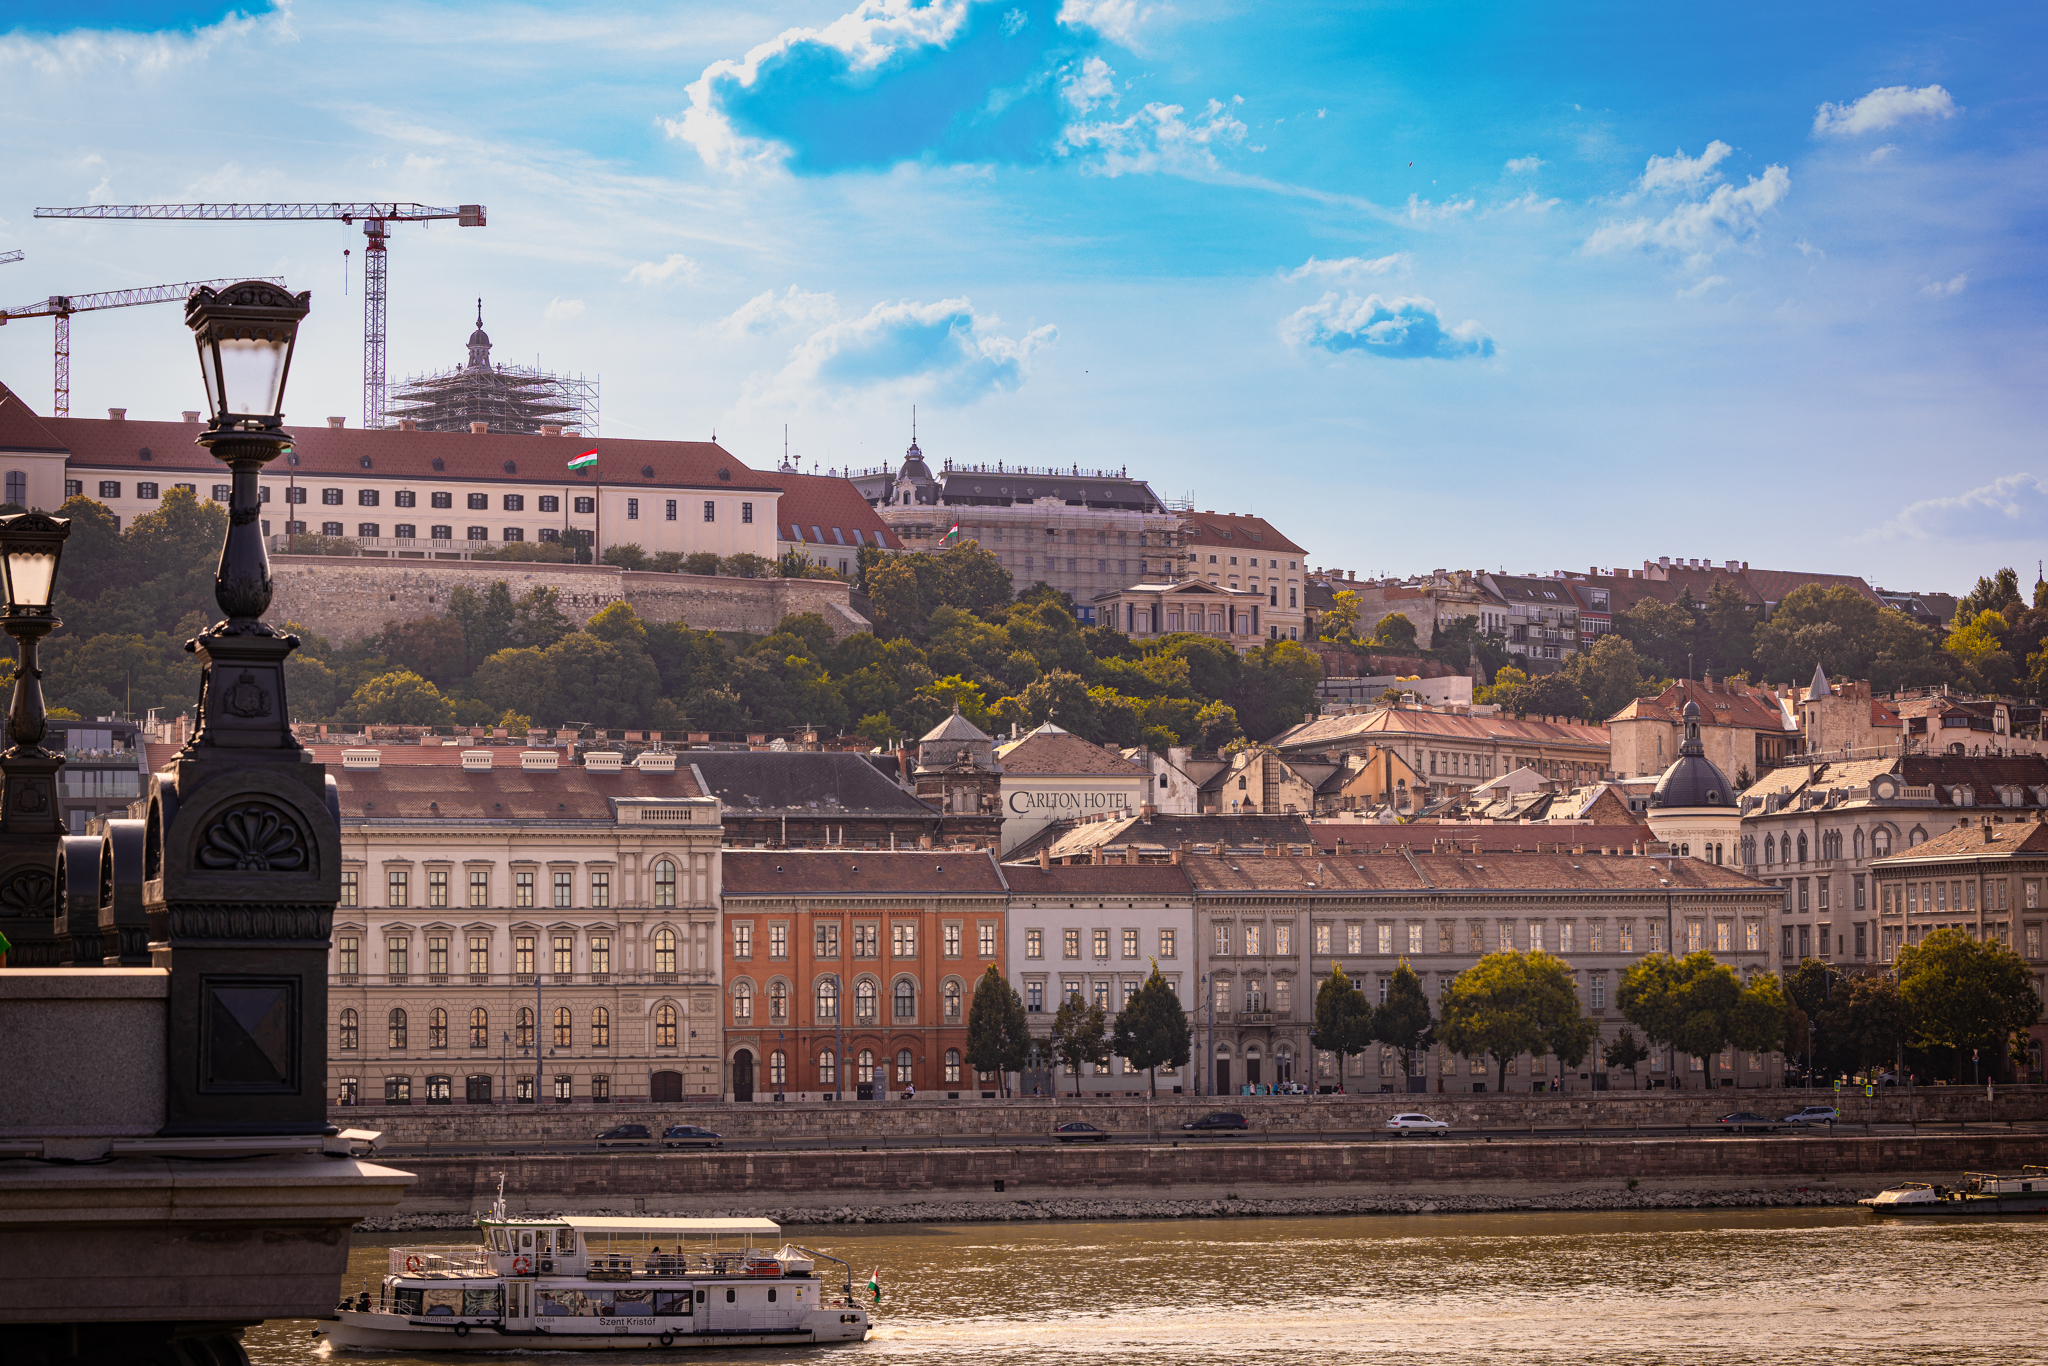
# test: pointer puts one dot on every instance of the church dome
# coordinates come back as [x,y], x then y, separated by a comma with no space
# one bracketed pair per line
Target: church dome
[1693,780]
[479,342]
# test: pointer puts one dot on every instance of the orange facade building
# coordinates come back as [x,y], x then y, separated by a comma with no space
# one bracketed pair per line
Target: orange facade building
[851,972]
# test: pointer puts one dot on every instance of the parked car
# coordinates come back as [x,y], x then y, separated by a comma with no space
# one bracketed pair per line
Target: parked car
[1814,1114]
[690,1136]
[1420,1123]
[1077,1131]
[1222,1119]
[1746,1121]
[624,1133]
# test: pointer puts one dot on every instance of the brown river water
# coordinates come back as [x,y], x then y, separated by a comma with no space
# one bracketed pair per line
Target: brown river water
[1774,1287]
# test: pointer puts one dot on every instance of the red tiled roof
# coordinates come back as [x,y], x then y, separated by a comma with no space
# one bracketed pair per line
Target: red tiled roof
[1721,704]
[1096,880]
[1238,531]
[1384,871]
[507,792]
[1506,837]
[826,510]
[20,429]
[1973,841]
[1774,584]
[1052,750]
[1332,730]
[101,443]
[817,873]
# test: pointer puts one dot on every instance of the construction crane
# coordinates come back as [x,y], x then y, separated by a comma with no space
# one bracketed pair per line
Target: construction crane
[374,218]
[9,257]
[62,306]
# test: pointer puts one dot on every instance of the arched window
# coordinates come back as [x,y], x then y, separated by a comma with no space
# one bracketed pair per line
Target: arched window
[563,1029]
[1770,849]
[1880,842]
[665,950]
[396,1021]
[665,1026]
[665,883]
[778,1069]
[17,488]
[906,999]
[778,1002]
[522,1027]
[1802,846]
[437,1028]
[1858,842]
[953,1065]
[953,1003]
[479,1027]
[866,1071]
[742,1003]
[600,1028]
[348,1031]
[864,1002]
[828,1001]
[903,1062]
[828,1068]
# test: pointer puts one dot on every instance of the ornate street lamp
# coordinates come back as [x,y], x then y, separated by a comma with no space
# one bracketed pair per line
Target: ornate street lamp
[242,859]
[31,830]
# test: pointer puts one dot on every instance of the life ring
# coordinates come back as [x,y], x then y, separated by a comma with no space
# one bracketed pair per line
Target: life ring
[462,1330]
[668,1338]
[413,1266]
[522,1265]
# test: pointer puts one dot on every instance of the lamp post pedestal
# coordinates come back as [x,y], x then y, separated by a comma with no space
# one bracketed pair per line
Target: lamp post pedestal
[30,827]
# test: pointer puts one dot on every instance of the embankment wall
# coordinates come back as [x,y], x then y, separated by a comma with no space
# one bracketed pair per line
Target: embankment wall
[347,597]
[620,1180]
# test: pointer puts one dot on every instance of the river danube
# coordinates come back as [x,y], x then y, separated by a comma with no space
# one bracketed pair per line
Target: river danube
[1766,1287]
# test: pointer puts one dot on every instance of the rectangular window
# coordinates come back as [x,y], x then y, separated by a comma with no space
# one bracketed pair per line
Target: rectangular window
[601,890]
[348,955]
[437,956]
[669,512]
[515,533]
[1753,936]
[397,953]
[368,531]
[825,941]
[1386,938]
[565,888]
[1596,988]
[746,514]
[515,502]
[396,884]
[522,889]
[1626,936]
[1166,943]
[1101,938]
[479,887]
[330,498]
[1034,943]
[585,506]
[632,509]
[601,955]
[1034,997]
[1223,998]
[742,939]
[987,943]
[1787,951]
[479,502]
[564,955]
[1354,939]
[710,510]
[366,498]
[1823,887]
[478,533]
[1724,937]
[331,528]
[110,488]
[1071,944]
[1415,938]
[1322,940]
[522,955]
[1857,882]
[221,491]
[479,955]
[550,503]
[1130,943]
[2033,941]
[903,941]
[1656,937]
[952,941]
[867,941]
[348,889]
[441,500]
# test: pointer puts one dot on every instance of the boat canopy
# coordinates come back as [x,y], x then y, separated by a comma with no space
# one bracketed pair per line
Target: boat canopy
[672,1227]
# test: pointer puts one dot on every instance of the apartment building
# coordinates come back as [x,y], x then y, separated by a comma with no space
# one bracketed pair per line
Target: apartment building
[1455,750]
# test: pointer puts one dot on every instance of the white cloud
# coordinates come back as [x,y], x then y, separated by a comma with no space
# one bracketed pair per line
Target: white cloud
[1524,165]
[1116,20]
[1408,328]
[416,164]
[1808,249]
[1882,108]
[1347,267]
[1422,211]
[1935,289]
[85,49]
[1878,154]
[561,310]
[1681,172]
[1700,228]
[677,269]
[770,312]
[1702,287]
[1530,202]
[2008,509]
[1159,137]
[943,350]
[1093,85]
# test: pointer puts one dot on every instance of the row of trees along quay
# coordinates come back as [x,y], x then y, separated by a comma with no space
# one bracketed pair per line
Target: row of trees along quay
[1150,1032]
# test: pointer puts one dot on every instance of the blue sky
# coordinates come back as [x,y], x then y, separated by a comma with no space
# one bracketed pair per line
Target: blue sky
[1430,285]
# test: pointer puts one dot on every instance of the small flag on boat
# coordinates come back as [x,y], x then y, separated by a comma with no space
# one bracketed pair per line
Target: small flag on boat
[875,1287]
[584,461]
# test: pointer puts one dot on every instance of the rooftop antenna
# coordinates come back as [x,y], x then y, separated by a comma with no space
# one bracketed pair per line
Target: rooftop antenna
[913,424]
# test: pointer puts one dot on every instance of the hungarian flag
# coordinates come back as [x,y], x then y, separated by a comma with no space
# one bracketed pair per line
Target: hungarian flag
[875,1285]
[953,532]
[584,461]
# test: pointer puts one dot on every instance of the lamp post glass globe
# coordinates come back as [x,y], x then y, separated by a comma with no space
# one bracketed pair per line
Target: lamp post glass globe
[30,545]
[245,335]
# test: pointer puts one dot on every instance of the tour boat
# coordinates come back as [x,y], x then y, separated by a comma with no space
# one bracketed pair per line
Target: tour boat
[603,1284]
[1980,1193]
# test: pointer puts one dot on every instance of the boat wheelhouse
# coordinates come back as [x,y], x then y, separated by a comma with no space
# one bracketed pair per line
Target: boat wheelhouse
[597,1283]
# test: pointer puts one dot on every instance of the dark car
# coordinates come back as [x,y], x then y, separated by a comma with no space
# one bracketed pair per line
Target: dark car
[1076,1131]
[1222,1119]
[1746,1121]
[690,1136]
[624,1133]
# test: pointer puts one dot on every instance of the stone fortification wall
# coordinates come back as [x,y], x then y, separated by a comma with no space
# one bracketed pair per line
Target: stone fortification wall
[653,1181]
[347,597]
[1294,1116]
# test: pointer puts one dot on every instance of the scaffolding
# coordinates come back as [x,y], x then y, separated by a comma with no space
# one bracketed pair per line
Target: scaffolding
[508,398]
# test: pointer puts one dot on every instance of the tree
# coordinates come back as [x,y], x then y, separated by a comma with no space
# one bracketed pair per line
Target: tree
[1394,632]
[1152,1030]
[1510,1003]
[703,562]
[1964,995]
[1993,594]
[517,680]
[1277,688]
[1849,636]
[1729,631]
[998,1034]
[1080,1035]
[973,579]
[1403,1021]
[1550,695]
[1339,624]
[625,555]
[1343,1019]
[432,647]
[1625,1051]
[746,566]
[1700,1007]
[402,698]
[1610,675]
[1662,632]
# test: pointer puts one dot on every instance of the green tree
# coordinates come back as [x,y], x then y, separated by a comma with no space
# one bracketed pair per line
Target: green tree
[1550,695]
[402,698]
[1962,995]
[1215,726]
[1152,1030]
[973,579]
[998,1033]
[1394,632]
[1403,1021]
[898,598]
[1277,688]
[747,566]
[518,680]
[1850,636]
[625,555]
[1729,631]
[1994,594]
[1610,675]
[1510,1003]
[703,562]
[432,647]
[1700,1007]
[1625,1051]
[1501,691]
[1343,1018]
[1339,624]
[1664,633]
[1080,1036]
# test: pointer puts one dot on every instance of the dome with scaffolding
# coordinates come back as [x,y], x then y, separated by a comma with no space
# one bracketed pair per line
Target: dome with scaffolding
[506,398]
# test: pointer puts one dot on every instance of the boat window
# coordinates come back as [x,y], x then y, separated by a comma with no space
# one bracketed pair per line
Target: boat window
[728,1296]
[771,1294]
[672,1302]
[565,1242]
[406,1301]
[480,1303]
[700,1297]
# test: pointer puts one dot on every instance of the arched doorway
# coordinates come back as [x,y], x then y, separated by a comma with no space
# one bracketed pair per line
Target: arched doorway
[665,1086]
[1222,1071]
[743,1075]
[1251,1066]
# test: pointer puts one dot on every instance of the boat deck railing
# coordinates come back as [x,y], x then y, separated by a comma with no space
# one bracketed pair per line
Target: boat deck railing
[441,1259]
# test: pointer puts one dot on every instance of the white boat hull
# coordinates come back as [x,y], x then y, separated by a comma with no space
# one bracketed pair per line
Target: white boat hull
[380,1332]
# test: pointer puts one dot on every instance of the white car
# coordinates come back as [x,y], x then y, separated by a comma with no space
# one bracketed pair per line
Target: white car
[1814,1114]
[1416,1122]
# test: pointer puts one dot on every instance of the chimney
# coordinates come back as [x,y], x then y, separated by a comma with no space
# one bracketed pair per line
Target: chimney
[1987,832]
[408,424]
[117,414]
[337,422]
[546,430]
[1045,856]
[1174,858]
[924,841]
[479,428]
[191,416]
[1146,811]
